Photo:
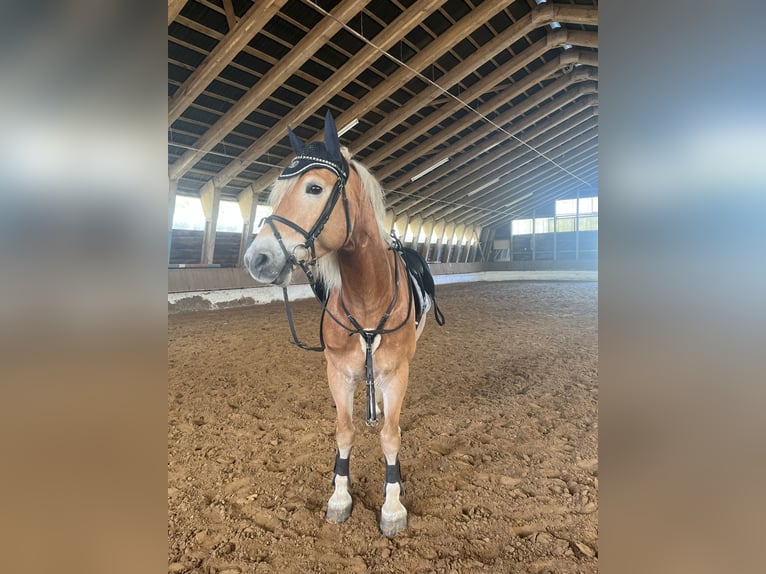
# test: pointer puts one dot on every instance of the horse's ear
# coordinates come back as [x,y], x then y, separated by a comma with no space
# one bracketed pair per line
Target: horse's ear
[296,143]
[331,141]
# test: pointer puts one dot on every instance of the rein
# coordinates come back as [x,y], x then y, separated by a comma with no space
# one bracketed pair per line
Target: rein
[368,335]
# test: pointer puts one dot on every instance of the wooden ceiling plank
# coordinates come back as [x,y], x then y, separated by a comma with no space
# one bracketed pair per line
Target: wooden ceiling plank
[274,78]
[432,120]
[226,50]
[523,177]
[419,61]
[174,8]
[584,150]
[386,170]
[504,160]
[507,160]
[488,130]
[559,189]
[363,59]
[555,187]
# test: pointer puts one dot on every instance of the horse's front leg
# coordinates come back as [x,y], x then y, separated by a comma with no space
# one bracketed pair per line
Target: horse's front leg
[342,389]
[393,515]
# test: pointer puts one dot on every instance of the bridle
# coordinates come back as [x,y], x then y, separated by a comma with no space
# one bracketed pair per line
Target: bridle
[310,237]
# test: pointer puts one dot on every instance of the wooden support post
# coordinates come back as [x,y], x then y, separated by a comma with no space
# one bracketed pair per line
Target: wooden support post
[577,226]
[416,233]
[510,241]
[172,191]
[211,200]
[534,247]
[247,207]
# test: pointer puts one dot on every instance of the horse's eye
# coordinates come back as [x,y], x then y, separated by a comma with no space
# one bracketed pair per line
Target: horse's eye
[314,189]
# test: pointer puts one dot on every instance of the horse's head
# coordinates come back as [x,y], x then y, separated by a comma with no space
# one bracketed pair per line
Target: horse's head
[310,210]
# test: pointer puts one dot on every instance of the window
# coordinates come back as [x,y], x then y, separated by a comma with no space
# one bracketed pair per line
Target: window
[229,217]
[564,224]
[521,227]
[566,207]
[588,206]
[544,225]
[589,223]
[188,214]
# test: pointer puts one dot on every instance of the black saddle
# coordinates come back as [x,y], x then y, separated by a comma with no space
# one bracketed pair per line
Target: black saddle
[421,283]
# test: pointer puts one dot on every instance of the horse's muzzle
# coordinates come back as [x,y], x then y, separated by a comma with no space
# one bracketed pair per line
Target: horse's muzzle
[266,262]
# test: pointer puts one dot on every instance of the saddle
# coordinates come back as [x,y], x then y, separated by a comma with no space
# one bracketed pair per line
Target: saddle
[421,283]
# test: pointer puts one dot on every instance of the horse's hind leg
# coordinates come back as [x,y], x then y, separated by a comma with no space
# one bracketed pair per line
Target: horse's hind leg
[342,389]
[393,515]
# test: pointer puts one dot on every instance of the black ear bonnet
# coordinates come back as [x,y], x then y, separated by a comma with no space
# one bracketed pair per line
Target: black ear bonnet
[317,154]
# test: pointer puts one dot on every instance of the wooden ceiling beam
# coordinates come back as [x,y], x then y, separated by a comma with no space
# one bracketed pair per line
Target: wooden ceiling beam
[549,137]
[274,78]
[539,125]
[231,17]
[174,8]
[492,136]
[487,109]
[498,165]
[402,75]
[363,59]
[227,49]
[559,190]
[555,186]
[509,36]
[540,16]
[538,186]
[517,183]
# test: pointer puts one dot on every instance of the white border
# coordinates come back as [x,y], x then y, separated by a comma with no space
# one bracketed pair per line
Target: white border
[227,298]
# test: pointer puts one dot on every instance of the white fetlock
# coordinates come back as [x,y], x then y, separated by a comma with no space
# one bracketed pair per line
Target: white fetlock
[340,503]
[393,515]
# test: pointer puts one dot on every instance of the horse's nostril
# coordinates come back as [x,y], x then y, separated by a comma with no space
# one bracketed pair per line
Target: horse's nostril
[260,260]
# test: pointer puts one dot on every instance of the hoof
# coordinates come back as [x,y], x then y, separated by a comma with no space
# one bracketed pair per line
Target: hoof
[392,525]
[337,515]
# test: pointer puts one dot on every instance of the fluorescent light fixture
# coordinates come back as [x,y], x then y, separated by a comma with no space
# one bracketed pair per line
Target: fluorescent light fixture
[348,126]
[567,46]
[478,189]
[555,25]
[540,2]
[430,169]
[490,147]
[518,199]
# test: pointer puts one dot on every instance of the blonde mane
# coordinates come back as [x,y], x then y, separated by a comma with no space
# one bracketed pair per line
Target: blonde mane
[327,265]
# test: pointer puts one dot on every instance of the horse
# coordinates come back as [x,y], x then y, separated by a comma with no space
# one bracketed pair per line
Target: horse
[328,219]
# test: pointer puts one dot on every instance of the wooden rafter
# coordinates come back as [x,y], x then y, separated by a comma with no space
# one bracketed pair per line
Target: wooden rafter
[174,8]
[310,43]
[231,45]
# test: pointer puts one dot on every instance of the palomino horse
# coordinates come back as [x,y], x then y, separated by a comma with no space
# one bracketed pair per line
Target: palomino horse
[328,218]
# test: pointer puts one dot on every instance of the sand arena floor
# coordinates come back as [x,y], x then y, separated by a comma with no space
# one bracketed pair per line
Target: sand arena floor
[499,441]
